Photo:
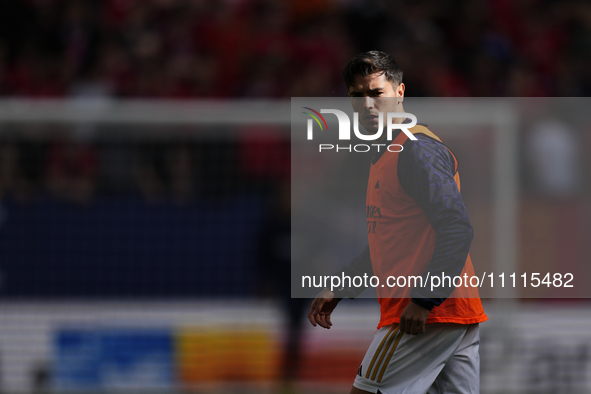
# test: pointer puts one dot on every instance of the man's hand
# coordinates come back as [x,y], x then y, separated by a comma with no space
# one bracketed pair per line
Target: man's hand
[321,308]
[413,318]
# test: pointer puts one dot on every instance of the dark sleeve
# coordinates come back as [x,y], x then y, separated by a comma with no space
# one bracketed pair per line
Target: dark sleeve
[426,172]
[359,266]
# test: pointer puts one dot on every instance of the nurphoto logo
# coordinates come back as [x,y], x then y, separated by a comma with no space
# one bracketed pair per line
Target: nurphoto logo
[345,129]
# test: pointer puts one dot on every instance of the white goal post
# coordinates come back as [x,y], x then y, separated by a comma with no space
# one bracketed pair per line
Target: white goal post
[496,113]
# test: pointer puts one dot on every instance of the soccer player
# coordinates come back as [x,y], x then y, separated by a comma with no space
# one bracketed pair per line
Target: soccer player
[427,340]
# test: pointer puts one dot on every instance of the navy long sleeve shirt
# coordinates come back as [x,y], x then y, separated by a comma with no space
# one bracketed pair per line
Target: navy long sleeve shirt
[426,172]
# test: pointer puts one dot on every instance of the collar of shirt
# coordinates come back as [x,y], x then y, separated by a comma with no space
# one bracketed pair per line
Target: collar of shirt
[380,152]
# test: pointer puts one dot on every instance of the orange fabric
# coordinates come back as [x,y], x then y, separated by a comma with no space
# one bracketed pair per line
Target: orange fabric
[401,243]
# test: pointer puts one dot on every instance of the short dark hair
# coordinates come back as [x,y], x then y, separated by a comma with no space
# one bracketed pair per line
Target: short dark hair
[372,62]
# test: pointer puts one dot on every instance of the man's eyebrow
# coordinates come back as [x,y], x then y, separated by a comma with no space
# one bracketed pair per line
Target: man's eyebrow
[360,93]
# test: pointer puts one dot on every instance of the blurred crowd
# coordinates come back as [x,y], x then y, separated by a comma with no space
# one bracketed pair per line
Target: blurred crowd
[266,48]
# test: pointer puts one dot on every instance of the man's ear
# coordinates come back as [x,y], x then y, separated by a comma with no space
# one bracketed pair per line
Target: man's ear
[400,90]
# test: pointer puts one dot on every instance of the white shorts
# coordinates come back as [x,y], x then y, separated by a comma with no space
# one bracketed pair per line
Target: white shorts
[444,359]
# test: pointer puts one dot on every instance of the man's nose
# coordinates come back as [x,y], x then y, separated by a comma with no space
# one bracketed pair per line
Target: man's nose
[368,102]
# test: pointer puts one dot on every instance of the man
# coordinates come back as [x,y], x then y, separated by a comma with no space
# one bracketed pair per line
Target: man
[417,225]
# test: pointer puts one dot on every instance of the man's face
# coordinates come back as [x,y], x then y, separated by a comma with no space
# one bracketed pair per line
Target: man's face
[373,94]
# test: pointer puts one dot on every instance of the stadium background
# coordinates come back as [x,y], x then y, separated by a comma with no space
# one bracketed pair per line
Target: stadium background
[151,254]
